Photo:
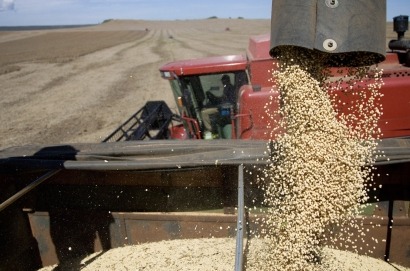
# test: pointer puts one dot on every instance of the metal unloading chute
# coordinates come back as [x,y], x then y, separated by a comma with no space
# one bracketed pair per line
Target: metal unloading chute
[341,32]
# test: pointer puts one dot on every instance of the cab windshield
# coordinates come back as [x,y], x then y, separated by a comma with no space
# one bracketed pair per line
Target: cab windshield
[201,91]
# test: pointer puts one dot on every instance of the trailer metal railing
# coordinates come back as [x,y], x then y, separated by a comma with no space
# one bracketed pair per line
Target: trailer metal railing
[240,221]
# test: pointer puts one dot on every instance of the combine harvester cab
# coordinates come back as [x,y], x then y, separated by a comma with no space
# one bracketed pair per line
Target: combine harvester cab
[197,87]
[194,82]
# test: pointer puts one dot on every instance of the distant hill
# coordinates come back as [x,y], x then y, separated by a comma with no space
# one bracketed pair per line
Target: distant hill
[41,27]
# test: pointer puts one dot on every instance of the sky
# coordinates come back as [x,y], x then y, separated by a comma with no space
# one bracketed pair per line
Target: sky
[69,12]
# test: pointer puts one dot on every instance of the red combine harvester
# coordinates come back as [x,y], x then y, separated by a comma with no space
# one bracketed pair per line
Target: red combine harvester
[192,80]
[197,87]
[60,203]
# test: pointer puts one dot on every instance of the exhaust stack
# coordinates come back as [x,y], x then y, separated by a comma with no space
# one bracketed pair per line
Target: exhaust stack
[401,45]
[341,32]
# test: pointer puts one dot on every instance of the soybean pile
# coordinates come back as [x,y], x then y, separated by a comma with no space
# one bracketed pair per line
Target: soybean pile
[324,142]
[205,254]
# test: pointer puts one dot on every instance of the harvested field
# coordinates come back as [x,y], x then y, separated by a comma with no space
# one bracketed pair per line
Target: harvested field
[78,85]
[60,47]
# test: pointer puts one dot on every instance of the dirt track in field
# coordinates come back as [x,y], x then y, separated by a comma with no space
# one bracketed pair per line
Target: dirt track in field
[77,85]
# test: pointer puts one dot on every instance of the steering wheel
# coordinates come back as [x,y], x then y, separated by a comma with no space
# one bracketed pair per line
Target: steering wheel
[212,99]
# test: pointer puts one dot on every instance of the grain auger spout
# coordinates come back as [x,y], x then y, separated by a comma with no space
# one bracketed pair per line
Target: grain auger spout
[340,32]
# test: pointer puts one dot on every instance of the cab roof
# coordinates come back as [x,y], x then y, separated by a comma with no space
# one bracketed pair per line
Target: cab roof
[214,64]
[259,47]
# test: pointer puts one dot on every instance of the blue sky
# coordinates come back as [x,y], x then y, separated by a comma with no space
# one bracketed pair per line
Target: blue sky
[66,12]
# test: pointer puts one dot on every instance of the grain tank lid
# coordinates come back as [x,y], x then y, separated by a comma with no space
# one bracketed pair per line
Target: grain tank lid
[161,154]
[395,151]
[135,155]
[343,33]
